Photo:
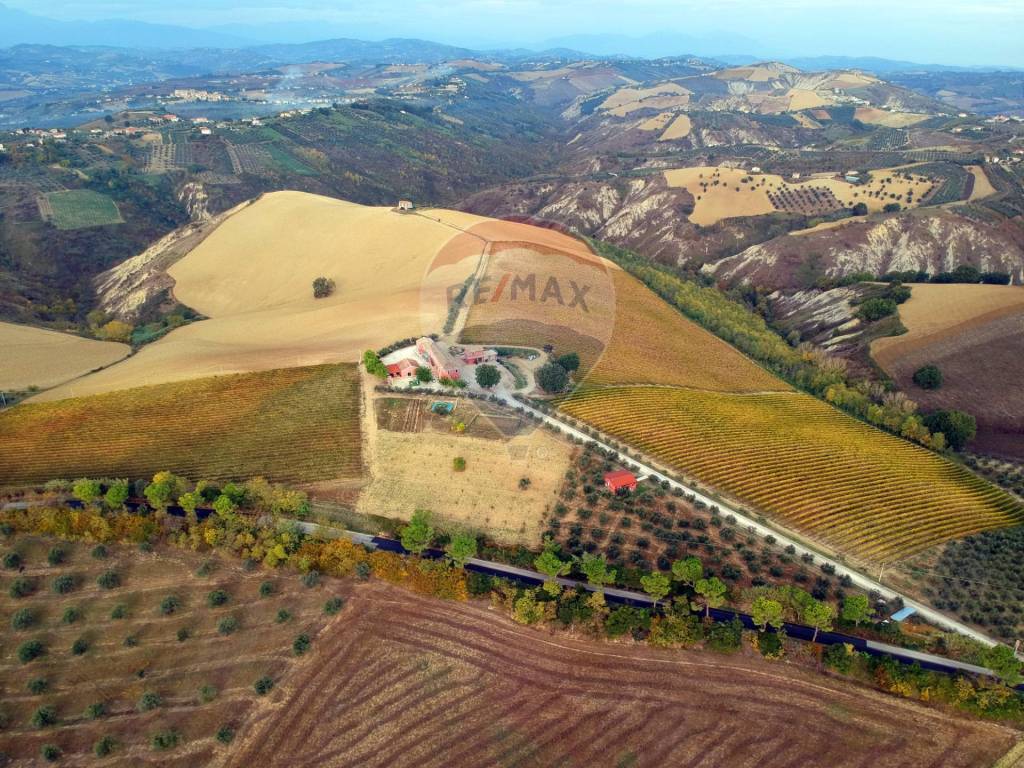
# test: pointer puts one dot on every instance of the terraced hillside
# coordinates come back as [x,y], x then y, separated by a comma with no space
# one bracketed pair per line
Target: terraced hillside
[858,489]
[292,425]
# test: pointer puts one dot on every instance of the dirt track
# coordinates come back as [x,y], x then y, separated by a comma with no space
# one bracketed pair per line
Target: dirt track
[409,681]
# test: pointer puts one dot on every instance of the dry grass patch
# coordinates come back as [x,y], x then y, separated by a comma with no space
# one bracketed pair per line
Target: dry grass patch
[679,129]
[982,186]
[415,470]
[42,358]
[289,425]
[874,116]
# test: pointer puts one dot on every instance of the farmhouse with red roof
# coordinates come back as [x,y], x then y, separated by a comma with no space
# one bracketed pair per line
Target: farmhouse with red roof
[619,480]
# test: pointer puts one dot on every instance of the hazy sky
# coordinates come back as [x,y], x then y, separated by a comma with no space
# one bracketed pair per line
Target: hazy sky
[939,31]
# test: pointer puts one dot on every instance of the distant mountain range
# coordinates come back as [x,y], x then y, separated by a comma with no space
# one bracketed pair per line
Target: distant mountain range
[241,45]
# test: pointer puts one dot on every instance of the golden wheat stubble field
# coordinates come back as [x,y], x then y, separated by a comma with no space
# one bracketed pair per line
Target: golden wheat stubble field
[857,489]
[400,682]
[252,277]
[294,425]
[722,193]
[138,651]
[43,358]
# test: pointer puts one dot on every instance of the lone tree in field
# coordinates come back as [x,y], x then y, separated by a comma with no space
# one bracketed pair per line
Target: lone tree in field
[710,594]
[322,287]
[487,375]
[460,548]
[689,571]
[657,585]
[856,609]
[417,535]
[928,377]
[766,613]
[548,563]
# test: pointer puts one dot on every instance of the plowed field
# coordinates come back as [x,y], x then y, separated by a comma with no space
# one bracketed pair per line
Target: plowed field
[400,681]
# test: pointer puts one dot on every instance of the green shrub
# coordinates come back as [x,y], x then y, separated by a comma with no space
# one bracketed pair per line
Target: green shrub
[21,587]
[300,645]
[64,584]
[626,619]
[283,616]
[725,638]
[266,589]
[225,734]
[207,694]
[363,571]
[310,579]
[70,615]
[12,561]
[80,646]
[50,752]
[119,612]
[96,710]
[838,658]
[131,641]
[332,606]
[183,634]
[164,740]
[217,598]
[56,555]
[44,717]
[30,650]
[37,686]
[876,309]
[108,580]
[149,701]
[99,552]
[770,644]
[263,686]
[104,747]
[22,619]
[170,605]
[228,625]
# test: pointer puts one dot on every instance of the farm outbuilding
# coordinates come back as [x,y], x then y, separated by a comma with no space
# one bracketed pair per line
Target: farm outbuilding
[403,369]
[620,480]
[440,361]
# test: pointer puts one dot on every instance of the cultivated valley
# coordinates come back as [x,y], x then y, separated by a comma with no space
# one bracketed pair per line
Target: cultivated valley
[399,403]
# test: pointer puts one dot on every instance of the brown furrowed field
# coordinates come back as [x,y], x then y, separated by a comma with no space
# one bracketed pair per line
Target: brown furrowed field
[141,653]
[290,425]
[971,332]
[859,490]
[399,681]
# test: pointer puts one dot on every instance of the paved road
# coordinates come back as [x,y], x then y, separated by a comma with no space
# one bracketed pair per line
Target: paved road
[859,579]
[628,597]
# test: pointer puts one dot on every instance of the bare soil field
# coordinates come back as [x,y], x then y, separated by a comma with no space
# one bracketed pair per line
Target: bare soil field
[42,358]
[972,333]
[874,116]
[982,186]
[399,682]
[723,193]
[626,100]
[141,653]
